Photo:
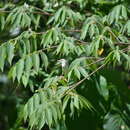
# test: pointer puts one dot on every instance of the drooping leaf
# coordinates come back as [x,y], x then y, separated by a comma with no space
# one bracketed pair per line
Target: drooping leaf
[36,61]
[44,59]
[2,56]
[19,69]
[10,52]
[103,88]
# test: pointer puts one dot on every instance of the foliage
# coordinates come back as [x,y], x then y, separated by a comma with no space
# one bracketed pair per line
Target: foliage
[55,49]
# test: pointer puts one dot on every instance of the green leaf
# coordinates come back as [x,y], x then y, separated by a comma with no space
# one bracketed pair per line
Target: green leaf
[28,64]
[83,72]
[2,56]
[65,102]
[32,120]
[19,69]
[25,79]
[30,107]
[76,101]
[44,59]
[76,72]
[103,88]
[48,113]
[10,52]
[12,72]
[41,122]
[86,104]
[114,122]
[55,115]
[25,112]
[124,12]
[28,47]
[36,61]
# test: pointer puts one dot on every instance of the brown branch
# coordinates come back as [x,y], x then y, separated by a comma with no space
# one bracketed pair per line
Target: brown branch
[73,30]
[83,42]
[43,13]
[35,12]
[121,43]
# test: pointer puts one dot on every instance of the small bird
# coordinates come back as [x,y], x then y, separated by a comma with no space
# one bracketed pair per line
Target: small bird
[64,65]
[15,32]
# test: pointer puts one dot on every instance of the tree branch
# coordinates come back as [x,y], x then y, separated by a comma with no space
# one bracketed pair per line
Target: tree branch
[73,86]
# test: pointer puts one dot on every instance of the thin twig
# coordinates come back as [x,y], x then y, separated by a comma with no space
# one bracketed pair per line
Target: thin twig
[35,12]
[46,13]
[38,33]
[5,11]
[96,61]
[83,42]
[42,13]
[78,83]
[126,49]
[73,30]
[121,43]
[73,86]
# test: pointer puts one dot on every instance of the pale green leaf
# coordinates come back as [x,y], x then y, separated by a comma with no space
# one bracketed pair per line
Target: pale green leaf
[10,52]
[19,69]
[36,62]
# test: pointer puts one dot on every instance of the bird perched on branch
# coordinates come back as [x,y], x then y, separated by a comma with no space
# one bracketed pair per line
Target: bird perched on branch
[64,65]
